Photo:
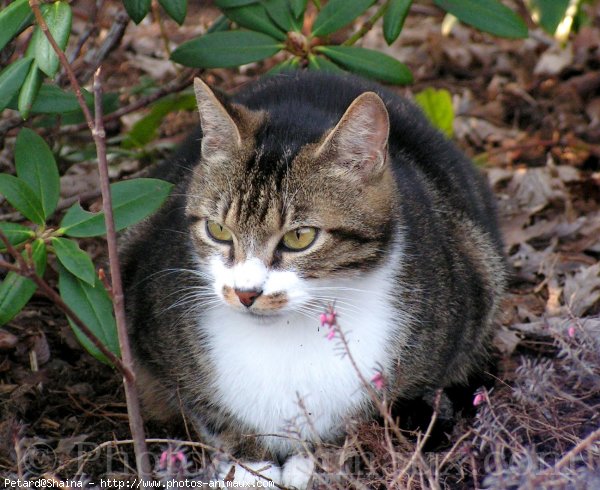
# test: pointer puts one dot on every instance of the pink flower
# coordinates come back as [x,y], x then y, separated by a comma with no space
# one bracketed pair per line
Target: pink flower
[323,319]
[571,332]
[328,319]
[170,460]
[378,380]
[478,399]
[331,333]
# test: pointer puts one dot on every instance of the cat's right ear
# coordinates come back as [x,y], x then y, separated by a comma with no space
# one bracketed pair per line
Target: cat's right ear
[358,143]
[220,134]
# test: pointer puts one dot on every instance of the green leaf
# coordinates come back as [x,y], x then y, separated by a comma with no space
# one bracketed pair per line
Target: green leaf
[137,9]
[437,106]
[94,307]
[221,23]
[298,7]
[15,233]
[255,17]
[146,128]
[227,4]
[29,90]
[225,49]
[320,63]
[16,290]
[58,16]
[287,65]
[337,14]
[36,167]
[75,260]
[177,9]
[20,195]
[393,19]
[549,14]
[11,80]
[133,200]
[281,13]
[53,100]
[486,15]
[369,63]
[13,19]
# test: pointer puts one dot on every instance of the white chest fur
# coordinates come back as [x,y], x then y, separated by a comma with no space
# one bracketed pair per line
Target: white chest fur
[265,369]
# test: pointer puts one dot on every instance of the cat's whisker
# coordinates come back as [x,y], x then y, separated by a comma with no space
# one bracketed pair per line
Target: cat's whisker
[306,313]
[341,305]
[336,288]
[193,298]
[174,270]
[324,303]
[207,291]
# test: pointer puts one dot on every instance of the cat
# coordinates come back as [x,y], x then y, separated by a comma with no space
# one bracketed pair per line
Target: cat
[303,192]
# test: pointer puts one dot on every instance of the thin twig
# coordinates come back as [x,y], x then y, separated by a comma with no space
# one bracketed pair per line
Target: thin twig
[95,56]
[568,457]
[367,26]
[91,28]
[176,85]
[380,403]
[136,423]
[421,445]
[9,266]
[161,25]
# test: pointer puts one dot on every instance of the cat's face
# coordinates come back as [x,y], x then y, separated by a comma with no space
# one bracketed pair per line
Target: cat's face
[273,230]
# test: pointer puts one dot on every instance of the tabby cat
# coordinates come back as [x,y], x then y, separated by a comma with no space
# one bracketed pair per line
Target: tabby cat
[301,192]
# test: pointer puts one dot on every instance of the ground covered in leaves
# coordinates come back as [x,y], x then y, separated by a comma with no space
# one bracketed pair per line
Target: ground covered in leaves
[528,113]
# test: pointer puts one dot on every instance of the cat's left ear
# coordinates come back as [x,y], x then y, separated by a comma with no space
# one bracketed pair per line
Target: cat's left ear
[220,133]
[359,140]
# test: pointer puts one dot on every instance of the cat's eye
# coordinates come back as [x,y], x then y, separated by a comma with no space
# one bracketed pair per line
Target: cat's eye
[218,232]
[299,239]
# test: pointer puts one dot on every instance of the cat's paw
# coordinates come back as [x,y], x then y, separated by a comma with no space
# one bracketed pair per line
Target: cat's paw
[297,472]
[242,477]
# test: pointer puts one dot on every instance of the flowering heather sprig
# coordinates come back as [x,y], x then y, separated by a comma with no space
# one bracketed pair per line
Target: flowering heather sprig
[329,319]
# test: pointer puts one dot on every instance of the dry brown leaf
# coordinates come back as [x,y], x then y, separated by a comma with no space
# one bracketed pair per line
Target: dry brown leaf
[553,304]
[8,341]
[506,340]
[554,60]
[534,188]
[530,263]
[79,179]
[496,175]
[582,289]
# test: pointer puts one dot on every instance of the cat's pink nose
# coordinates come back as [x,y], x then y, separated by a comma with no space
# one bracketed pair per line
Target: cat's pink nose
[247,297]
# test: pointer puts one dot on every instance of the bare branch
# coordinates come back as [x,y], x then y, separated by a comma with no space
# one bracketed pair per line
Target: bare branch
[133,404]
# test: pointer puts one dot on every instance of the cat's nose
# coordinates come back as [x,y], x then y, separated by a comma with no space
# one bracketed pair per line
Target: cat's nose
[247,297]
